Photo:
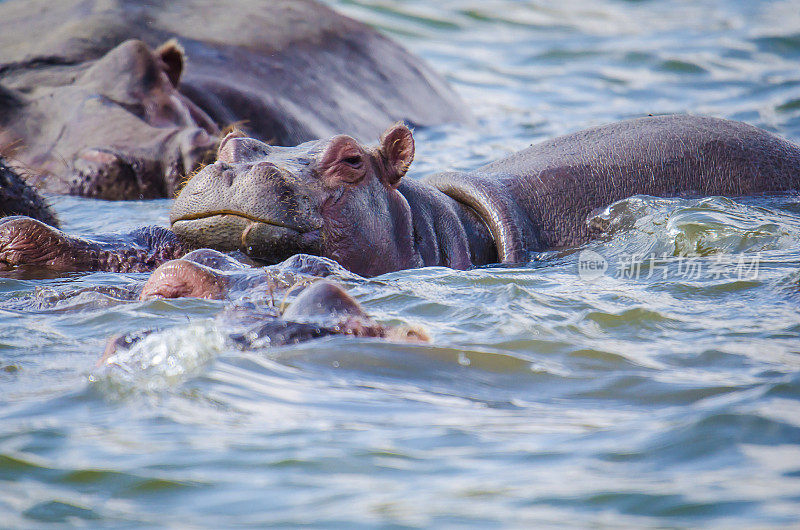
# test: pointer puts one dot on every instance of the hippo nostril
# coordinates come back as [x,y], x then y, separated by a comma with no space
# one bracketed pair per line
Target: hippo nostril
[230,148]
[228,177]
[266,171]
[268,166]
[236,148]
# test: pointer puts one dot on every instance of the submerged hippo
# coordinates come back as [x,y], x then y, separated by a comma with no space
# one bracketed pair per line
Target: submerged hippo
[322,308]
[120,100]
[339,199]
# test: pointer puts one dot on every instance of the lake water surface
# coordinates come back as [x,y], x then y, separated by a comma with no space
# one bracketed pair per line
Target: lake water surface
[660,389]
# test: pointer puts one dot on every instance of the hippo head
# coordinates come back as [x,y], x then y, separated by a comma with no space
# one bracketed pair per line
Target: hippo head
[116,128]
[333,197]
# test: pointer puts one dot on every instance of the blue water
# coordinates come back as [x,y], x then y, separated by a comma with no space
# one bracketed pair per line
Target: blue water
[664,393]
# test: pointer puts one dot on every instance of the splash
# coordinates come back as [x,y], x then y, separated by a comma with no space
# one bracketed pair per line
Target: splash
[161,361]
[647,225]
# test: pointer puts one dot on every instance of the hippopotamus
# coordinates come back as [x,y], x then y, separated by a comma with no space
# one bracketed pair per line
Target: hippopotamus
[255,320]
[18,198]
[121,100]
[351,203]
[348,202]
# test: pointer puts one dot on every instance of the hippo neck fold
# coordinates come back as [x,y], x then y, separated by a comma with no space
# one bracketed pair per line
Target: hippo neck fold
[446,233]
[512,232]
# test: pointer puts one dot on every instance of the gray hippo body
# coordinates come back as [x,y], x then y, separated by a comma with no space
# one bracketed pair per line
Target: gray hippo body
[541,196]
[92,100]
[339,199]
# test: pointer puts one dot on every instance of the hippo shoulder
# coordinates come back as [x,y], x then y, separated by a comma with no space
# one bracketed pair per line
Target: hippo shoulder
[494,201]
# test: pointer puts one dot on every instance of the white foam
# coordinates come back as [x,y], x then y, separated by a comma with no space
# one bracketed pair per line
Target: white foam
[164,359]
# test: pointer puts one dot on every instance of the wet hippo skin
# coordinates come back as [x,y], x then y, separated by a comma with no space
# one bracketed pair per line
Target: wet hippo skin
[120,100]
[18,198]
[259,314]
[349,202]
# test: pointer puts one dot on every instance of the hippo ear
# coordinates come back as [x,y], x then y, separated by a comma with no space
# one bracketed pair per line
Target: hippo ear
[172,55]
[397,148]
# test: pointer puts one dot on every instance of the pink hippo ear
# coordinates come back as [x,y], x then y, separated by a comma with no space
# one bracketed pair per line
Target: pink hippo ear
[397,148]
[172,55]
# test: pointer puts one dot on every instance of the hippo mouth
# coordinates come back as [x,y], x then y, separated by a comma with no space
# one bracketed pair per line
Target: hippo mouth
[262,239]
[217,213]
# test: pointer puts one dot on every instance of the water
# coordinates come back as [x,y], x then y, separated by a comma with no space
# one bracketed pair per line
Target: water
[661,391]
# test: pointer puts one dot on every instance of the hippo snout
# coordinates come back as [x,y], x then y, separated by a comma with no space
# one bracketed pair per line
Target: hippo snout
[257,208]
[149,172]
[104,174]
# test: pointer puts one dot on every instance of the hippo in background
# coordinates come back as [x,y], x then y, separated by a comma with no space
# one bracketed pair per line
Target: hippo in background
[120,100]
[118,130]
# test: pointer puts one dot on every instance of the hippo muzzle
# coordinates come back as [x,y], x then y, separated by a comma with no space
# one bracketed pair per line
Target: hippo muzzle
[254,207]
[151,167]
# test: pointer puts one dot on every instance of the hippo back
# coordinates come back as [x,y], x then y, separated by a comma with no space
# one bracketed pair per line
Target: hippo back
[539,198]
[286,70]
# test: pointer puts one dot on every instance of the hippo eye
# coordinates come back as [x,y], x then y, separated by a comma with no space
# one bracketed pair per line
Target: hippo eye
[352,161]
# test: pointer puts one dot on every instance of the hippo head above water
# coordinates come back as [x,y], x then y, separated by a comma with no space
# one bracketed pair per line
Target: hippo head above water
[333,197]
[114,128]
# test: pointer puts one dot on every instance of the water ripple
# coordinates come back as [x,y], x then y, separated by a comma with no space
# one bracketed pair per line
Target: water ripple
[658,399]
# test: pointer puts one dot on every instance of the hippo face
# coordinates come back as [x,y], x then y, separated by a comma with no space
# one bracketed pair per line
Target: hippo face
[116,128]
[334,198]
